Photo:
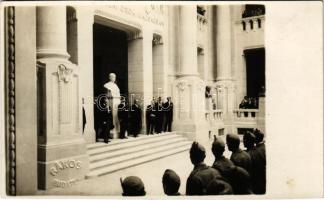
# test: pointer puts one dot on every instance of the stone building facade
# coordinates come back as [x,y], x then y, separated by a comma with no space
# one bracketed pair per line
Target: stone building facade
[57,55]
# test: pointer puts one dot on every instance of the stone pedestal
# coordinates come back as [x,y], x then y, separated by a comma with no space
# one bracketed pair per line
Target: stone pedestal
[114,102]
[189,108]
[62,158]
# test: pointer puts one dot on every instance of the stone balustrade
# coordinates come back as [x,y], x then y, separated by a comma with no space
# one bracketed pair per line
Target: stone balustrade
[246,114]
[201,22]
[253,23]
[214,115]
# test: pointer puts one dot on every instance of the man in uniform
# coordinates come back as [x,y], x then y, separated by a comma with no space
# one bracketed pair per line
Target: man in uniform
[239,157]
[222,164]
[201,175]
[135,118]
[240,180]
[159,115]
[123,118]
[168,115]
[260,151]
[150,118]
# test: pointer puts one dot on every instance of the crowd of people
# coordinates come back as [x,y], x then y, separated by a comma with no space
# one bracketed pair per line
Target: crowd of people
[249,103]
[244,173]
[159,117]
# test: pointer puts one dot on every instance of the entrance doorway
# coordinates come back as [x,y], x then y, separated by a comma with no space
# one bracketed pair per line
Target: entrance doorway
[110,55]
[255,71]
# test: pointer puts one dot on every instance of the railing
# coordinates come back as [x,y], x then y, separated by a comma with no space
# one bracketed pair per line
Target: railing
[214,115]
[252,23]
[201,21]
[246,114]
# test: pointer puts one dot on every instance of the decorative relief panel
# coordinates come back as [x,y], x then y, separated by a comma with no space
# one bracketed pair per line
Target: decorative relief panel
[65,93]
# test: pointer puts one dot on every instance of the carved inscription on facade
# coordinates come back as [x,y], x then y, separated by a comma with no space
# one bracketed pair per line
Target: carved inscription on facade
[62,165]
[153,13]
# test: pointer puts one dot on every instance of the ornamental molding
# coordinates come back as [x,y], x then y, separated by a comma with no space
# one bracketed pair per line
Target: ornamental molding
[10,76]
[64,73]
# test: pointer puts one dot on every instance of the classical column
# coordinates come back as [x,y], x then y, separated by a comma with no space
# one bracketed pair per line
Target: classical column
[159,67]
[62,158]
[188,40]
[51,32]
[188,88]
[85,63]
[140,69]
[224,81]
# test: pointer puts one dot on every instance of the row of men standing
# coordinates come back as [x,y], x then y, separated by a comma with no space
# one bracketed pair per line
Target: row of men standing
[158,118]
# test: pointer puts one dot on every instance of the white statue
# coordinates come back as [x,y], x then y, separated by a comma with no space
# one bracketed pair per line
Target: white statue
[114,100]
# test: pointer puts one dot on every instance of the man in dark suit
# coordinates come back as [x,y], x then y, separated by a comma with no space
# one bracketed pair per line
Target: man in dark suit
[122,114]
[107,121]
[135,118]
[150,118]
[159,115]
[168,115]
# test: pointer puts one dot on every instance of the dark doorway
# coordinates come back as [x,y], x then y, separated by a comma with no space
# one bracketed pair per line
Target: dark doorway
[255,71]
[110,53]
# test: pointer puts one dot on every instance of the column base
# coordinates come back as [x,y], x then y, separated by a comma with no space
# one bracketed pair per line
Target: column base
[62,164]
[189,108]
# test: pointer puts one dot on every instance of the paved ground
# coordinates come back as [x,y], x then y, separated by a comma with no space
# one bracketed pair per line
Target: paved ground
[151,174]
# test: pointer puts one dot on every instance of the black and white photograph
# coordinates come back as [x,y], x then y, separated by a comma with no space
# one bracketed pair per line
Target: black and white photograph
[121,99]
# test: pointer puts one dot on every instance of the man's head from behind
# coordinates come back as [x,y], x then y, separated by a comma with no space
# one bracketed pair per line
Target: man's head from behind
[197,153]
[218,147]
[259,136]
[171,182]
[133,186]
[248,140]
[232,141]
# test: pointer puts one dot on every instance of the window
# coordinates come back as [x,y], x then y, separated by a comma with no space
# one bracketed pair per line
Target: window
[253,10]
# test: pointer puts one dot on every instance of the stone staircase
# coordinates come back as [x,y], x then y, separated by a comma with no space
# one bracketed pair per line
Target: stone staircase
[121,154]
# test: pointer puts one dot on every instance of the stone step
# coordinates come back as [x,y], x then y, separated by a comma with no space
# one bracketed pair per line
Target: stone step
[136,155]
[130,139]
[135,149]
[140,160]
[127,144]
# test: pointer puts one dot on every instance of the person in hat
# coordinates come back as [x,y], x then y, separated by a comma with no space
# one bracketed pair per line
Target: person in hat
[219,186]
[202,174]
[221,163]
[238,157]
[132,186]
[258,157]
[171,183]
